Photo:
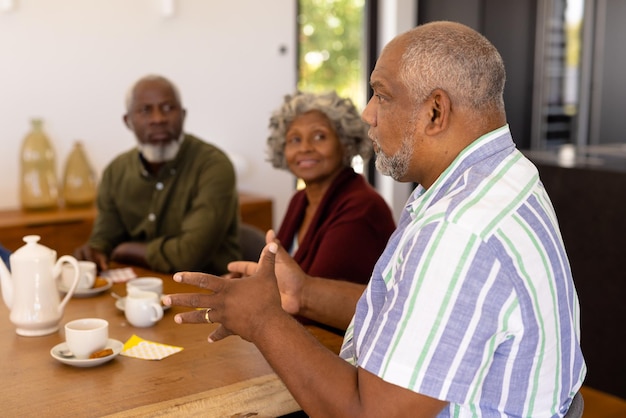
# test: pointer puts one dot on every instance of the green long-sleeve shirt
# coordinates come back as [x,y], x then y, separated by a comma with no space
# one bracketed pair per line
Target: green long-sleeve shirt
[188,215]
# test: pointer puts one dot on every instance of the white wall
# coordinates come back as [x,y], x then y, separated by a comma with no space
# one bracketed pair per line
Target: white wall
[70,62]
[394,17]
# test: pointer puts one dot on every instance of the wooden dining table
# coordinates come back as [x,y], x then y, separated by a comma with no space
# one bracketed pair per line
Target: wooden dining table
[229,378]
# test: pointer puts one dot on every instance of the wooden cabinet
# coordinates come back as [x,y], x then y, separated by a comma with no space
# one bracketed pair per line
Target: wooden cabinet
[589,199]
[61,229]
[256,210]
[65,229]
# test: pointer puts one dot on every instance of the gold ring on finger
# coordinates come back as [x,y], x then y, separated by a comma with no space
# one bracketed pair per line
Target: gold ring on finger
[206,315]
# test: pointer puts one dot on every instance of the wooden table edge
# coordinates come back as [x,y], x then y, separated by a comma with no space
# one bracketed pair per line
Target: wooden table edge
[264,396]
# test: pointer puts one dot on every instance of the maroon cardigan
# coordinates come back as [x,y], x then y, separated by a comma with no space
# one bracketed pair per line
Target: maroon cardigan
[347,234]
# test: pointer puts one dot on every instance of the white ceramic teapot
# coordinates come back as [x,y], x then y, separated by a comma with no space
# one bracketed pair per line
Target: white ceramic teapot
[30,289]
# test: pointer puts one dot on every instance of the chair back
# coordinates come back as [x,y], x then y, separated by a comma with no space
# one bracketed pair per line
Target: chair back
[576,408]
[251,242]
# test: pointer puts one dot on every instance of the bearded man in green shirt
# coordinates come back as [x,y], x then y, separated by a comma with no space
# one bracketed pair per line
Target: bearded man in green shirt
[170,203]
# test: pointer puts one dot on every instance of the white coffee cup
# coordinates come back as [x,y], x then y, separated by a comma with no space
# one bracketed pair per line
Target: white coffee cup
[86,336]
[143,308]
[86,278]
[148,284]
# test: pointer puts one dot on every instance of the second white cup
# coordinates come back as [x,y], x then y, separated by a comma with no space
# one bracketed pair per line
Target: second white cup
[86,276]
[149,284]
[143,309]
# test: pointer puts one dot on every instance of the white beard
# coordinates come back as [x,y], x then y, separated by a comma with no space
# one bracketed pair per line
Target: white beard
[159,153]
[395,166]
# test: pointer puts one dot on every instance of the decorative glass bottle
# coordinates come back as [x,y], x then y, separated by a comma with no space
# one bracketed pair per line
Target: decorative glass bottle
[38,187]
[79,179]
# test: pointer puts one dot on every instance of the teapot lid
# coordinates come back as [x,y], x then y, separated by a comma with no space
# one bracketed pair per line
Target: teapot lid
[32,249]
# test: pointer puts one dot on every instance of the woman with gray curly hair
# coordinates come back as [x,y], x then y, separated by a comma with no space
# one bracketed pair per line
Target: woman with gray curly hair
[342,115]
[316,137]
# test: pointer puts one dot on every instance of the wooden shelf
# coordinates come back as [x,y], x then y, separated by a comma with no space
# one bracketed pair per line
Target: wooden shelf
[64,229]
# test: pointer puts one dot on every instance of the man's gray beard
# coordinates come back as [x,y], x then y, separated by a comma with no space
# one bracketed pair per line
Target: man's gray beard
[159,153]
[395,166]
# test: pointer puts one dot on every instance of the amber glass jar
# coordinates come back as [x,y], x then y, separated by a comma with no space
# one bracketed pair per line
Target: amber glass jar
[38,187]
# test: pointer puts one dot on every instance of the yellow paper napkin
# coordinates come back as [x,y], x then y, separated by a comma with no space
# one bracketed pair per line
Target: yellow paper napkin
[137,347]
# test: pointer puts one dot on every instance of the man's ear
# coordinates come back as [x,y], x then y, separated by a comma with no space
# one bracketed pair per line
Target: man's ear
[439,112]
[127,122]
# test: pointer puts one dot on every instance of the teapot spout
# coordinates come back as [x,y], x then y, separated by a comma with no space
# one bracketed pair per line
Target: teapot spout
[6,284]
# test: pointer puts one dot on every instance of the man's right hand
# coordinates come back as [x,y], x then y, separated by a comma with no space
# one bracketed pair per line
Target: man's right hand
[86,252]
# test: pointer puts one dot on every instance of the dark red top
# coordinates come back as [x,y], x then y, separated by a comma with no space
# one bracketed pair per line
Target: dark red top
[347,234]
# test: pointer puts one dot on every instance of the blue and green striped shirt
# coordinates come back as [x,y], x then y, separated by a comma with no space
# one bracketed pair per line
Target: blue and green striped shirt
[473,301]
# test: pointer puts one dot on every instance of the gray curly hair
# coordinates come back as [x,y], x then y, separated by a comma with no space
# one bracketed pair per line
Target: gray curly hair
[342,114]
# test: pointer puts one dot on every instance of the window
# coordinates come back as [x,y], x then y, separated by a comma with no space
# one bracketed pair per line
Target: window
[559,55]
[331,48]
[332,51]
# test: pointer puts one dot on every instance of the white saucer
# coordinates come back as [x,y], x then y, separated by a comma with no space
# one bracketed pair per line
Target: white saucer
[120,304]
[85,293]
[115,345]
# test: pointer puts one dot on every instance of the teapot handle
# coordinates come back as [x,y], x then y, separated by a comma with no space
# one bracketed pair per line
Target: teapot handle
[57,270]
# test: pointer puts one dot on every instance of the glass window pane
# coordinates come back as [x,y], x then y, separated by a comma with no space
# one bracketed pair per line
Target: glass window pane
[331,48]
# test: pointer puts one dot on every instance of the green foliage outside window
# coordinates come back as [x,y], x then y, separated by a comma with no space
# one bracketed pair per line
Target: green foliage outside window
[331,40]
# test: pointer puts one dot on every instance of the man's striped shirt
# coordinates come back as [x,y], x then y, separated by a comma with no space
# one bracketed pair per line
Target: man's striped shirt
[473,301]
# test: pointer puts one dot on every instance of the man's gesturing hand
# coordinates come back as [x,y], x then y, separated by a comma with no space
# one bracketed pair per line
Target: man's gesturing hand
[242,306]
